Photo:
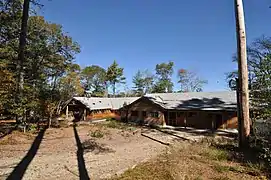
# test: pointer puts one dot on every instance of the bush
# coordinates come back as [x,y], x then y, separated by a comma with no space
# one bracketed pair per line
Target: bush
[113,124]
[263,151]
[32,128]
[97,134]
[110,119]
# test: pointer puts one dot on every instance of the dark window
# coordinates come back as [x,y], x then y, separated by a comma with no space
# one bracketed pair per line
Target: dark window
[218,117]
[172,115]
[210,115]
[192,114]
[219,121]
[144,113]
[154,114]
[134,113]
[180,114]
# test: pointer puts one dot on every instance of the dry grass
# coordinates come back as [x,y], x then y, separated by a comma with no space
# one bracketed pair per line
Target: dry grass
[192,161]
[17,137]
[119,125]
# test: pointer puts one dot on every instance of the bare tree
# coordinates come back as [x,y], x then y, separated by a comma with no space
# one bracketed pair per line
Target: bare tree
[190,82]
[243,106]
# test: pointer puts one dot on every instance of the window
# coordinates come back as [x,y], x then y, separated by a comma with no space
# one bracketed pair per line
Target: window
[154,114]
[144,113]
[172,115]
[134,113]
[192,114]
[210,115]
[180,114]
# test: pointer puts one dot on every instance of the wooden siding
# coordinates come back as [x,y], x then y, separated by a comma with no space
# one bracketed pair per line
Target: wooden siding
[103,114]
[149,110]
[231,120]
[202,119]
[196,118]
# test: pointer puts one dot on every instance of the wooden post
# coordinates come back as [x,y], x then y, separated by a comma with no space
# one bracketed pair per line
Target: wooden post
[242,75]
[168,119]
[175,123]
[225,119]
[85,115]
[67,112]
[213,124]
[185,115]
[163,119]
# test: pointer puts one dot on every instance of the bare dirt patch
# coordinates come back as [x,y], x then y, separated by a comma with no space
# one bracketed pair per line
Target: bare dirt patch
[59,155]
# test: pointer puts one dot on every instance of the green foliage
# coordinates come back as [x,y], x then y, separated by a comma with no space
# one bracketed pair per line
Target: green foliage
[7,87]
[94,78]
[190,82]
[215,154]
[114,75]
[113,124]
[164,72]
[97,134]
[32,128]
[70,85]
[259,73]
[143,82]
[48,59]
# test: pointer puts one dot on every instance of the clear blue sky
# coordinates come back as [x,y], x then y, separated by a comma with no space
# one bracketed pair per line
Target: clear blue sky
[196,34]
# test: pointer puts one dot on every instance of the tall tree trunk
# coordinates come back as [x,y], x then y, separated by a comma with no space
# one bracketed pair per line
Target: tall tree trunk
[21,57]
[242,74]
[114,89]
[50,120]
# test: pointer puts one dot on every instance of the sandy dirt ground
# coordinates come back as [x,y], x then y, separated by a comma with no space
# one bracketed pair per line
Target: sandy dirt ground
[61,154]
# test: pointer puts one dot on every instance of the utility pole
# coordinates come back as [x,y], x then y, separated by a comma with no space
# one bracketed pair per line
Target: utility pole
[244,120]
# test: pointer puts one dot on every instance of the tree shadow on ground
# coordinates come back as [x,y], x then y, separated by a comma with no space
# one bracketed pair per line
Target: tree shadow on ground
[192,132]
[21,168]
[83,174]
[204,132]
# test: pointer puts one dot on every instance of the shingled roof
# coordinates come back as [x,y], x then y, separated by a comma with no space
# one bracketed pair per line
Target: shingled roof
[95,103]
[223,100]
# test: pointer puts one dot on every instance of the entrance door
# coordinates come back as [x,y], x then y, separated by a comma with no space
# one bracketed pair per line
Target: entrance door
[172,119]
[218,121]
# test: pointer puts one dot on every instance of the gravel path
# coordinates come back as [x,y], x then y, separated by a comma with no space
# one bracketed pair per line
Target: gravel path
[58,154]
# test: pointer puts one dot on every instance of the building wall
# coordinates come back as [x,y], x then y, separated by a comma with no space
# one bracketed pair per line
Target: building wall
[103,114]
[231,120]
[202,119]
[143,111]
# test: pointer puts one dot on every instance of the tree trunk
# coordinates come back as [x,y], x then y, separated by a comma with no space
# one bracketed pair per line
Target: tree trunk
[242,74]
[21,57]
[50,120]
[114,89]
